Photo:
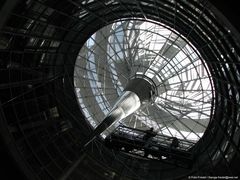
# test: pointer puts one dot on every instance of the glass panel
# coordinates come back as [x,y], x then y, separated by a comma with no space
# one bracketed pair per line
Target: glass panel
[181,105]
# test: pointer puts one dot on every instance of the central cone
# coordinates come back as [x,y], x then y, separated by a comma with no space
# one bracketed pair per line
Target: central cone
[137,92]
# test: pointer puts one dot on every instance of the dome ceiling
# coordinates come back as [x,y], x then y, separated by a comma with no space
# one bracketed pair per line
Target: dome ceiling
[182,100]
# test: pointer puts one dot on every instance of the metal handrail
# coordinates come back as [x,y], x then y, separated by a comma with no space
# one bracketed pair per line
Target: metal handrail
[158,140]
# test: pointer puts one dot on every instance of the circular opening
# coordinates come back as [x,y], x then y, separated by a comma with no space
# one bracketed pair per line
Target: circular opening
[112,56]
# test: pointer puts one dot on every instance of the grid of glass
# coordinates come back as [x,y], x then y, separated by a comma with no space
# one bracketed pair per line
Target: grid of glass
[124,49]
[29,46]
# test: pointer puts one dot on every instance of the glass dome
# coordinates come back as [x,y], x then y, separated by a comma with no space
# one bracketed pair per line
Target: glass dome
[181,105]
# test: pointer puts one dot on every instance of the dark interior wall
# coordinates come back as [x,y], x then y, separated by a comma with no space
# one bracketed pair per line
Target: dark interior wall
[9,163]
[8,166]
[230,11]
